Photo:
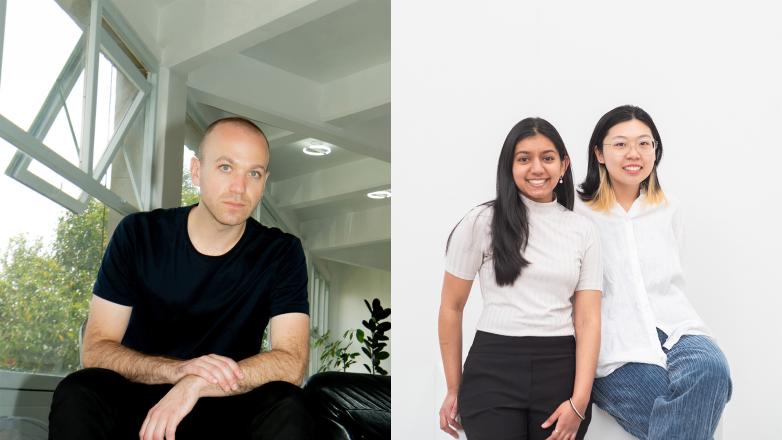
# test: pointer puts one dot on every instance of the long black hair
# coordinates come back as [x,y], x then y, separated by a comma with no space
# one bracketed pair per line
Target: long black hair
[590,189]
[510,225]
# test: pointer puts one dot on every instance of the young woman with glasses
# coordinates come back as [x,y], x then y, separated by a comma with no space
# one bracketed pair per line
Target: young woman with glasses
[659,373]
[530,369]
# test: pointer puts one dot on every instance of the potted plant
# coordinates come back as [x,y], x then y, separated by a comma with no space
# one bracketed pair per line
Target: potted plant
[374,343]
[336,354]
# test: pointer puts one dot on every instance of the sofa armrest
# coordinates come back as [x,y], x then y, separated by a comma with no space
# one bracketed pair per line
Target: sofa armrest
[351,405]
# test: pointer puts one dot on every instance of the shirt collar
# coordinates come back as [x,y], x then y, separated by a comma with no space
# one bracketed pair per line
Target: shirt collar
[540,207]
[638,207]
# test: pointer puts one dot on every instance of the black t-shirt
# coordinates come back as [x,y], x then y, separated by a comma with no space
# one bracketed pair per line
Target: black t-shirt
[186,304]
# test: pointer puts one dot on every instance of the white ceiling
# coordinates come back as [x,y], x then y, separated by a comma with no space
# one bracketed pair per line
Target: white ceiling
[289,160]
[336,45]
[305,70]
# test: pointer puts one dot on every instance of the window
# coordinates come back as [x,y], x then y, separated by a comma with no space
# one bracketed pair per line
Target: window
[31,63]
[49,258]
[76,121]
[319,314]
[76,113]
[193,133]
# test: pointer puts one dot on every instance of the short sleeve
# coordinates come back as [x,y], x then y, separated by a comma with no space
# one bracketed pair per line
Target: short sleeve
[464,251]
[116,280]
[289,292]
[591,274]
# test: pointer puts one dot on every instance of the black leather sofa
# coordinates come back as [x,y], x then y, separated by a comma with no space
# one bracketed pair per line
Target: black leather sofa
[350,406]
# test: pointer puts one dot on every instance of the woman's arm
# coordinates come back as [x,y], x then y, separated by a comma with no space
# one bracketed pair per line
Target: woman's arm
[586,321]
[454,297]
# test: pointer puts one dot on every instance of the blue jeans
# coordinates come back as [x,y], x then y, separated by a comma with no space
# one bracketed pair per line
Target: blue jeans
[684,402]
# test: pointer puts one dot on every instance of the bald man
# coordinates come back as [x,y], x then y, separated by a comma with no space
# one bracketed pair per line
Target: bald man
[172,344]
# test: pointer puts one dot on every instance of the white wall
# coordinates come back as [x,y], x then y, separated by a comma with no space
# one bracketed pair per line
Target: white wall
[710,75]
[349,286]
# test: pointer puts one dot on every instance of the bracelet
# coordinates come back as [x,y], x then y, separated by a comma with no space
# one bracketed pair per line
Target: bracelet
[576,411]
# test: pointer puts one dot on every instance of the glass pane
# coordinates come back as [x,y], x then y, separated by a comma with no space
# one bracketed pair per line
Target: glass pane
[193,136]
[39,37]
[119,179]
[49,260]
[67,126]
[190,192]
[115,94]
[54,179]
[17,195]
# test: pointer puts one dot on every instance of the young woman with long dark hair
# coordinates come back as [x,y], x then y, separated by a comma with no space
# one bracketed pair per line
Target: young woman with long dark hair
[659,373]
[526,375]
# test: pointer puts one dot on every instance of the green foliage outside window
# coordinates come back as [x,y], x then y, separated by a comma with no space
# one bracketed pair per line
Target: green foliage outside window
[45,292]
[190,194]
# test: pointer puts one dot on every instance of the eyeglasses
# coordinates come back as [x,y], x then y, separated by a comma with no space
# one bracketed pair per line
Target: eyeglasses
[644,145]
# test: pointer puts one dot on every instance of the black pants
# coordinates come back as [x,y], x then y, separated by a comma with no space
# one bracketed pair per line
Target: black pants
[100,404]
[511,385]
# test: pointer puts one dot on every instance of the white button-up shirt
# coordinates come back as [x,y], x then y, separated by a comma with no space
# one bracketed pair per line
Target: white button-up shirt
[643,283]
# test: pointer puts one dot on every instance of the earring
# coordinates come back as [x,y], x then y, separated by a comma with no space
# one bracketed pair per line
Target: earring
[560,178]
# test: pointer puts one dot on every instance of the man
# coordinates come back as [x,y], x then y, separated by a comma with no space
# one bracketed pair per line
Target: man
[171,346]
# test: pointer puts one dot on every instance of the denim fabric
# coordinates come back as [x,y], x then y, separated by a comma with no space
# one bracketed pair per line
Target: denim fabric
[683,402]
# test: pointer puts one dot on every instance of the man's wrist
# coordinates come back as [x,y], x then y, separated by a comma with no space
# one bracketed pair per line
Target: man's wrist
[195,384]
[171,370]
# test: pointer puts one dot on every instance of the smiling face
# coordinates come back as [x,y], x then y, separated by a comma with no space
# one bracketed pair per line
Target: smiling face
[231,173]
[537,168]
[626,153]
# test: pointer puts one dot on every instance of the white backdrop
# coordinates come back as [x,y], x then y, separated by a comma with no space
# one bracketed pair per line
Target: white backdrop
[711,77]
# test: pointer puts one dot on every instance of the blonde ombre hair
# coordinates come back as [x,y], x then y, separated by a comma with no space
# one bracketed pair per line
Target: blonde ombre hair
[596,190]
[605,199]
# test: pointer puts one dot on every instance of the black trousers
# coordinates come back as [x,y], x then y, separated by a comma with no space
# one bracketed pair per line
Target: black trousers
[512,384]
[96,403]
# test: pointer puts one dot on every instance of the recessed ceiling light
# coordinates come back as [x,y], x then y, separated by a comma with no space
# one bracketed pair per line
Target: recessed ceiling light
[316,150]
[384,194]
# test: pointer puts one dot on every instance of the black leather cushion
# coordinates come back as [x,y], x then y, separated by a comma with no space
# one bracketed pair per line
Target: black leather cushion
[351,405]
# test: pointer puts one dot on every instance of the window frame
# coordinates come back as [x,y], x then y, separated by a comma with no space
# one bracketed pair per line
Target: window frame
[106,33]
[94,42]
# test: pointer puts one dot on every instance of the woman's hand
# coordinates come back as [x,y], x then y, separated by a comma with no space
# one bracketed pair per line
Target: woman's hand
[448,413]
[567,423]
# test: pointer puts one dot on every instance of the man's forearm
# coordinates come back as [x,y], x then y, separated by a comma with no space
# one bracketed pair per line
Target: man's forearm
[131,364]
[270,366]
